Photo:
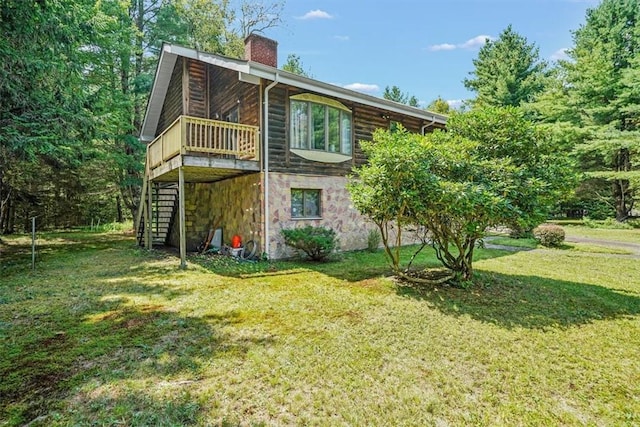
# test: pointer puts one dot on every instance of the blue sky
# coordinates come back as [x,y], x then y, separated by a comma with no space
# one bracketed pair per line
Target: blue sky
[425,47]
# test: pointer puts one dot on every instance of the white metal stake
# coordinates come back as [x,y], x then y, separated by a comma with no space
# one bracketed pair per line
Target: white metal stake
[33,243]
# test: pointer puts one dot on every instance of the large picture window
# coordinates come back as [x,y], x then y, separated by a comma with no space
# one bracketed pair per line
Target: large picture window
[305,203]
[320,126]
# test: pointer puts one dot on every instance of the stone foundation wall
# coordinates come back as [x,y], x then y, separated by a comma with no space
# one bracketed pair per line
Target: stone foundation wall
[238,200]
[337,211]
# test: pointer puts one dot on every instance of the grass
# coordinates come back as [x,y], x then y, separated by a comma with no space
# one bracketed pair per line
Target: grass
[529,243]
[595,249]
[629,236]
[105,333]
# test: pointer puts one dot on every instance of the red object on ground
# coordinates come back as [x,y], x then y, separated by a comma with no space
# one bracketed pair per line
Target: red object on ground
[236,241]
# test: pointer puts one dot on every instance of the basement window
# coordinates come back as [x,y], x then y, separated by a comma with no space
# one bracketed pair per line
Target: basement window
[305,203]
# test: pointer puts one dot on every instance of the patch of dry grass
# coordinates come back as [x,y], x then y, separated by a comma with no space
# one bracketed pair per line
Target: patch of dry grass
[105,333]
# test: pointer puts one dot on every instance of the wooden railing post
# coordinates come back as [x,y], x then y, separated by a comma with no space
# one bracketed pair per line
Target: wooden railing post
[183,134]
[192,134]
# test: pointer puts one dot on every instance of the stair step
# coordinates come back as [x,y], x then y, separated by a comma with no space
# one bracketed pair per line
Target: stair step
[164,200]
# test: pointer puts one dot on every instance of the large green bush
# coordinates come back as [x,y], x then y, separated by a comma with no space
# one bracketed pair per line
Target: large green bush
[316,242]
[492,167]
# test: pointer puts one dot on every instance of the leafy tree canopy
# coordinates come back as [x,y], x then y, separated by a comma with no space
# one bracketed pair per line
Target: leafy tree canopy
[492,167]
[440,106]
[294,65]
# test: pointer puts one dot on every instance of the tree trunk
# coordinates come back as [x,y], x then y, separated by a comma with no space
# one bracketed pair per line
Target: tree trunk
[467,272]
[120,217]
[621,191]
[5,195]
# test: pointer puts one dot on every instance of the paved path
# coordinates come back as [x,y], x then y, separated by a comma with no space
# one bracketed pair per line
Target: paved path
[632,247]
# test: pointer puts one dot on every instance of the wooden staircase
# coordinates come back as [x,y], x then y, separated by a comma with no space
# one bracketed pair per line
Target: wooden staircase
[164,205]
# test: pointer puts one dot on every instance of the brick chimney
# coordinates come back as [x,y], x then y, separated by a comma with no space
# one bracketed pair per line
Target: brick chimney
[261,49]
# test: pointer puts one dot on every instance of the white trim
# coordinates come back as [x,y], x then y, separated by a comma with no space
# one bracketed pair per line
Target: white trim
[267,216]
[164,71]
[316,99]
[321,156]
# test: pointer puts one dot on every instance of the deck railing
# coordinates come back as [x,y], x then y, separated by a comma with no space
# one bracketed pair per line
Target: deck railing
[194,135]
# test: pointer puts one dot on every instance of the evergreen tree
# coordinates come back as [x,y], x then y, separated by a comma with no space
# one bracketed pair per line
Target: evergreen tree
[45,120]
[508,71]
[74,79]
[394,93]
[602,81]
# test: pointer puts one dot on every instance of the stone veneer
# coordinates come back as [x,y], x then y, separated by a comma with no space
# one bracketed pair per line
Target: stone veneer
[337,211]
[238,200]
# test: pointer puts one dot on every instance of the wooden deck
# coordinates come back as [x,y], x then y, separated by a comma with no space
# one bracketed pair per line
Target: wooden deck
[207,150]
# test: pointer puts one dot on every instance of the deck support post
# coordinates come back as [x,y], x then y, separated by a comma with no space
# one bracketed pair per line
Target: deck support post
[148,235]
[181,209]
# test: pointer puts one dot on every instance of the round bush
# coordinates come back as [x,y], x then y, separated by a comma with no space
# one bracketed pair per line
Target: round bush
[316,242]
[549,234]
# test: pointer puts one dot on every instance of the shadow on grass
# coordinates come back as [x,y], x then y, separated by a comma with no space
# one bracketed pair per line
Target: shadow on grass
[16,251]
[351,266]
[529,301]
[84,331]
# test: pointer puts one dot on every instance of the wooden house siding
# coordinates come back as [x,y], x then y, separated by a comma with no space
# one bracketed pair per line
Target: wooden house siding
[172,107]
[227,92]
[280,157]
[365,120]
[207,91]
[196,99]
[278,133]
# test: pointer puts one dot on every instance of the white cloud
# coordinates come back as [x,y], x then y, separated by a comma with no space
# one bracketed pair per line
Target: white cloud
[560,54]
[455,103]
[316,14]
[362,87]
[443,46]
[341,38]
[474,43]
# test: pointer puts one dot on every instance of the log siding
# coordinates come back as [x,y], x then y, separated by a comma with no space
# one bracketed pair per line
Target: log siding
[172,107]
[365,120]
[207,91]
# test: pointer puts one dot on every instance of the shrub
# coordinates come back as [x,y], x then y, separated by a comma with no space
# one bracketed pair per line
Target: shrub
[549,234]
[373,240]
[316,242]
[634,223]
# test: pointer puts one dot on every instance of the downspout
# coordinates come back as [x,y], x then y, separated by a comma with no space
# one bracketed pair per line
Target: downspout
[266,163]
[428,125]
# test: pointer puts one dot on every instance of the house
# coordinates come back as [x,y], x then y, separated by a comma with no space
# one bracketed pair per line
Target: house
[254,149]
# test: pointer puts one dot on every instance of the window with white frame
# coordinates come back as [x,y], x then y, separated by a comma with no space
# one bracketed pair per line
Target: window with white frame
[320,124]
[305,203]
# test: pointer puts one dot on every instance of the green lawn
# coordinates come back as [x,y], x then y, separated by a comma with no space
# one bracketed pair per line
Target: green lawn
[629,236]
[104,333]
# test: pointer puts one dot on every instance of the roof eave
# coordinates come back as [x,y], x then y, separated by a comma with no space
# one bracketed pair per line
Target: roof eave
[306,83]
[170,52]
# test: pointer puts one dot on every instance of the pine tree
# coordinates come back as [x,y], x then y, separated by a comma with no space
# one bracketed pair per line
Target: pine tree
[508,71]
[602,79]
[394,93]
